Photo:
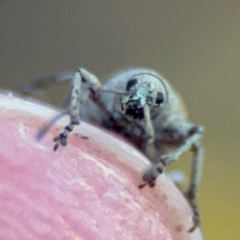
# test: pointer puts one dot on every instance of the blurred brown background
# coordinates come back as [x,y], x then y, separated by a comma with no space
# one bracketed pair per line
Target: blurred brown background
[194,44]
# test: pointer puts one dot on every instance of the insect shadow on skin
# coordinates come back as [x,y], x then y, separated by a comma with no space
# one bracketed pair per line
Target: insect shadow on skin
[140,105]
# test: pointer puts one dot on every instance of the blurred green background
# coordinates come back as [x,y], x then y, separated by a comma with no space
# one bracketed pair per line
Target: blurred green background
[194,44]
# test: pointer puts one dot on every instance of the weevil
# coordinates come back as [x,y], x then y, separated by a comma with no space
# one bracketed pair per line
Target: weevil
[143,107]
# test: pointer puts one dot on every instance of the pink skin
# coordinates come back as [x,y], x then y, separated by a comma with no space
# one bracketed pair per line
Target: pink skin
[87,190]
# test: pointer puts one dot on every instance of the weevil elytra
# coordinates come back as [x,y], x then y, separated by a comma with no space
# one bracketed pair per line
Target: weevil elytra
[142,106]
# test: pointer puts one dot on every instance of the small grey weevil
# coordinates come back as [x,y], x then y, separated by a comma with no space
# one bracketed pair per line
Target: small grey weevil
[142,106]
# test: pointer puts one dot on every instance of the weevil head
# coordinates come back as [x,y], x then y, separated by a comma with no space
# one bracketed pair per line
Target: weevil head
[141,91]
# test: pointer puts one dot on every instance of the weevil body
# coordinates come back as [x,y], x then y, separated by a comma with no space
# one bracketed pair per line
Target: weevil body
[125,113]
[142,106]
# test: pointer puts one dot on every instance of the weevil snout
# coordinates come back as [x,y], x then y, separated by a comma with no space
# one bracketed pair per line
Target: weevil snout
[133,108]
[133,104]
[140,93]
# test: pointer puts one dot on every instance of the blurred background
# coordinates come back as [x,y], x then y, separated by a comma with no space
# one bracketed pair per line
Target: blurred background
[194,44]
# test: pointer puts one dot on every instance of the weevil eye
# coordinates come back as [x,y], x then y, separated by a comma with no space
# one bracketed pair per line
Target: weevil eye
[131,83]
[159,98]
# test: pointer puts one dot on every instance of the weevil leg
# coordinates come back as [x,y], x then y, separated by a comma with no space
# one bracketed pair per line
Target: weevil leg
[196,171]
[150,176]
[61,139]
[46,128]
[192,143]
[76,100]
[192,190]
[45,82]
[191,139]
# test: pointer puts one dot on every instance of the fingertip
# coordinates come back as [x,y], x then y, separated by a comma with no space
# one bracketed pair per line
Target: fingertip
[89,188]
